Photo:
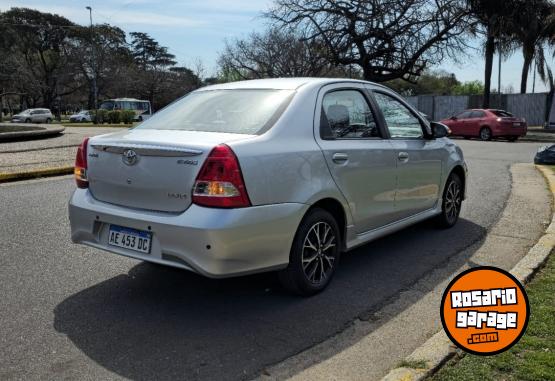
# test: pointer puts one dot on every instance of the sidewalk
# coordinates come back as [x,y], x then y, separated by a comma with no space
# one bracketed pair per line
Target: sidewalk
[51,156]
[540,134]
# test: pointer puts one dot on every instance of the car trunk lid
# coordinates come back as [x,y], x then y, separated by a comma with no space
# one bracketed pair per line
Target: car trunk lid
[150,169]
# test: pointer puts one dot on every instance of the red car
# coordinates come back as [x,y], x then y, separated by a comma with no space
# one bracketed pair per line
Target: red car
[487,124]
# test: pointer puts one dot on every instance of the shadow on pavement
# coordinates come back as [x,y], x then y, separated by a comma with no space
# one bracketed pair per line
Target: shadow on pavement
[164,323]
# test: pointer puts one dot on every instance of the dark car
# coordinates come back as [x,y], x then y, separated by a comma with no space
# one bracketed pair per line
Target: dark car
[545,155]
[487,124]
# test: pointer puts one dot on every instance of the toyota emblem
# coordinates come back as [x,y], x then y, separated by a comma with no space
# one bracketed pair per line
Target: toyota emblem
[130,157]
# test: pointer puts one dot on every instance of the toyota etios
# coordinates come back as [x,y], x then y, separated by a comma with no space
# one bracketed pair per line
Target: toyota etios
[277,174]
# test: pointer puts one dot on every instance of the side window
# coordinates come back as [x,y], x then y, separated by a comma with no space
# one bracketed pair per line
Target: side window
[478,114]
[346,114]
[400,121]
[464,115]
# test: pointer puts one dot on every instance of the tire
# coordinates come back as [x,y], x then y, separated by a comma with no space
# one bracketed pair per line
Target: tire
[27,120]
[451,202]
[140,118]
[513,138]
[48,121]
[485,133]
[312,265]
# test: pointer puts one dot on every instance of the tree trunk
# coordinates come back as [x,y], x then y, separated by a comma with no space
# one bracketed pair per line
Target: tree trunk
[490,50]
[528,57]
[367,72]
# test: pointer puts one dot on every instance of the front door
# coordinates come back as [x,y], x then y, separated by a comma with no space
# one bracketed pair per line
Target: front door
[361,161]
[419,159]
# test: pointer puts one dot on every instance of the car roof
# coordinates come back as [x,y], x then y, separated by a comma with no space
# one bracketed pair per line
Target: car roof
[282,83]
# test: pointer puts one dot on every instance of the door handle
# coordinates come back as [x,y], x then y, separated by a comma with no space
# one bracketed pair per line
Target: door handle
[340,158]
[403,156]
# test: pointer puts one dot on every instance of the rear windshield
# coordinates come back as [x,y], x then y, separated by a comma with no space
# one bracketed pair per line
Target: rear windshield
[502,114]
[231,111]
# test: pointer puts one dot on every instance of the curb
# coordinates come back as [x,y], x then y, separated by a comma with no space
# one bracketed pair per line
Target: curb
[438,349]
[47,172]
[41,130]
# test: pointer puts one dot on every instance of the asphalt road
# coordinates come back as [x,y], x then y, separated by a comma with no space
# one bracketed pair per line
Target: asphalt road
[71,312]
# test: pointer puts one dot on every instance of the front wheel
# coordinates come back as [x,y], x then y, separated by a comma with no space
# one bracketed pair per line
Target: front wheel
[485,133]
[451,202]
[314,254]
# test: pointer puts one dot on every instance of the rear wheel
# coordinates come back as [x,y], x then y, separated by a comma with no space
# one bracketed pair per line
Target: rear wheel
[485,133]
[48,121]
[314,254]
[451,202]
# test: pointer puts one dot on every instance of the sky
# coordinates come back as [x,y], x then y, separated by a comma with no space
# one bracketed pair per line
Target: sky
[197,29]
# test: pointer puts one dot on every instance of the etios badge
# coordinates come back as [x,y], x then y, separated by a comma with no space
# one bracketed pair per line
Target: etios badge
[129,157]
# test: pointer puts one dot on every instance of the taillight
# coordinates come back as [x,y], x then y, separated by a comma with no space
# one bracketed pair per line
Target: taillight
[220,182]
[80,170]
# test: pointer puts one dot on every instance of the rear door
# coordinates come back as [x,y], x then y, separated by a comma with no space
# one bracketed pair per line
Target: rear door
[360,159]
[419,159]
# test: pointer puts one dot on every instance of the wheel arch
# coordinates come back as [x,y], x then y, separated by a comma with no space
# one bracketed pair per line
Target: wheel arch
[459,171]
[335,208]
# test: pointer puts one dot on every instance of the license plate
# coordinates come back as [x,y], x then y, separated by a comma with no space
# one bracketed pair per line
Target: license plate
[128,238]
[516,124]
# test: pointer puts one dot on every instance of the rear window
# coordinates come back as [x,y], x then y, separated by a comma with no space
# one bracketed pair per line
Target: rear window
[230,111]
[502,114]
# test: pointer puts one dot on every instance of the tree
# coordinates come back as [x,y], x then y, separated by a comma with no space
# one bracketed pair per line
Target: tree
[386,39]
[36,42]
[437,82]
[492,20]
[469,88]
[534,27]
[108,48]
[275,53]
[154,76]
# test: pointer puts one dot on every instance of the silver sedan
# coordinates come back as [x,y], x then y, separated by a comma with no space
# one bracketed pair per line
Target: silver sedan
[277,174]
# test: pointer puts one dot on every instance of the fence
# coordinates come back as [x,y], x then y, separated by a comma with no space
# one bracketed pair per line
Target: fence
[533,107]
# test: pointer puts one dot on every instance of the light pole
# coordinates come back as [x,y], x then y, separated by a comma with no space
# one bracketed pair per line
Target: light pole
[95,91]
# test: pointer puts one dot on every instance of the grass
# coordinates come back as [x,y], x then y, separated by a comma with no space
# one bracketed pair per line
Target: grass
[533,357]
[413,364]
[90,124]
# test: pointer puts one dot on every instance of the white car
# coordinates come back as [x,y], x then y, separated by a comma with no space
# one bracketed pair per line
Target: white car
[33,115]
[81,116]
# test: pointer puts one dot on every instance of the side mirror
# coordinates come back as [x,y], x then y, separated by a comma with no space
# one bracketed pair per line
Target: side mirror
[439,130]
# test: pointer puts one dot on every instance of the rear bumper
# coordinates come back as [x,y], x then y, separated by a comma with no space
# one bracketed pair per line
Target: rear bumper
[213,242]
[509,131]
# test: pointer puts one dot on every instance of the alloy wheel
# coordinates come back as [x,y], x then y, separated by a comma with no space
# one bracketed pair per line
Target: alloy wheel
[485,134]
[453,201]
[318,253]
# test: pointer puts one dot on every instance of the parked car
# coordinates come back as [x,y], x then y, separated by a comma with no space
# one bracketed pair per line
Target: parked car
[33,115]
[487,124]
[545,155]
[81,116]
[276,174]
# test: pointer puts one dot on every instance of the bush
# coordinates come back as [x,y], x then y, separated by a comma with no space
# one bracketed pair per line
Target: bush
[114,117]
[127,116]
[99,116]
